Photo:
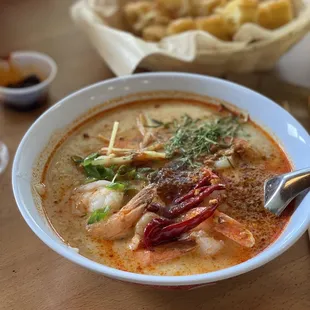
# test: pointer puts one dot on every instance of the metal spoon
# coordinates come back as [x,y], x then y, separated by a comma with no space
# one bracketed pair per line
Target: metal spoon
[282,189]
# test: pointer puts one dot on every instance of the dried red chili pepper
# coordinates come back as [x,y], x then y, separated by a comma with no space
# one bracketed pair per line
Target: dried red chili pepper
[206,179]
[159,231]
[153,228]
[194,192]
[176,210]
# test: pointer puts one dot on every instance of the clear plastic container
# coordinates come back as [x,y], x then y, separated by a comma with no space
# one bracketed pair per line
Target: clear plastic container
[29,63]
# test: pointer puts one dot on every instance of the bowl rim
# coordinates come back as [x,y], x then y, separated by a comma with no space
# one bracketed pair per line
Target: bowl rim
[26,90]
[126,276]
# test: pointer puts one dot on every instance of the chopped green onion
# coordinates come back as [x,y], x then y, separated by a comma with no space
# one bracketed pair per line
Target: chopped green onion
[77,159]
[88,160]
[98,215]
[90,180]
[158,123]
[116,187]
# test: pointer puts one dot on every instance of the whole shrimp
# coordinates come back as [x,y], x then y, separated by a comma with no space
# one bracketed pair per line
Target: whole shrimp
[93,196]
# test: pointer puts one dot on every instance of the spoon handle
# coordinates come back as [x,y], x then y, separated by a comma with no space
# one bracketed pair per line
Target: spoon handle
[296,182]
[281,190]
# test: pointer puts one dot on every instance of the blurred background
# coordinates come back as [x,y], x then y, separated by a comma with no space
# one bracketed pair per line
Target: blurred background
[46,26]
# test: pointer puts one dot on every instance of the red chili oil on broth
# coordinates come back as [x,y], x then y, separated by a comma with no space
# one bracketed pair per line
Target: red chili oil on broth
[243,195]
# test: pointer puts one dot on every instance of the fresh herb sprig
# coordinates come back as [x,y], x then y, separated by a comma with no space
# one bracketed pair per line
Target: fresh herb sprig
[194,138]
[114,174]
[116,186]
[92,172]
[98,215]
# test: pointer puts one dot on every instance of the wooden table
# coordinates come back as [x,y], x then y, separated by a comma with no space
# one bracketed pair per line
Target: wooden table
[34,277]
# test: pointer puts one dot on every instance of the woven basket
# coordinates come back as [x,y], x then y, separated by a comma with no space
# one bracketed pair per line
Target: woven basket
[192,51]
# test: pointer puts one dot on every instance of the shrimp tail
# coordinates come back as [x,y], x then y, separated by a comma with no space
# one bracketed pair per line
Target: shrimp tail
[232,229]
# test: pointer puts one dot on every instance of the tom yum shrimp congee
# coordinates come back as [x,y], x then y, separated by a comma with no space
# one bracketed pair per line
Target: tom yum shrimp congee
[165,187]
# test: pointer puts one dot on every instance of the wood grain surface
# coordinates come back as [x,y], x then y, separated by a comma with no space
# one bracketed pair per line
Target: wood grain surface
[34,277]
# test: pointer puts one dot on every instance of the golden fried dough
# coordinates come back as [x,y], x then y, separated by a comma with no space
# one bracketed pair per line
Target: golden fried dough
[175,8]
[206,7]
[155,19]
[215,25]
[142,14]
[180,25]
[274,14]
[238,12]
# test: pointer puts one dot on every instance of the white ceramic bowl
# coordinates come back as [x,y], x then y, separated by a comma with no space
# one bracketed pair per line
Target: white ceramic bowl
[290,134]
[29,63]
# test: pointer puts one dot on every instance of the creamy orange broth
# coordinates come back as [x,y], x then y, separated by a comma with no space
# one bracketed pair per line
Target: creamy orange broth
[245,197]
